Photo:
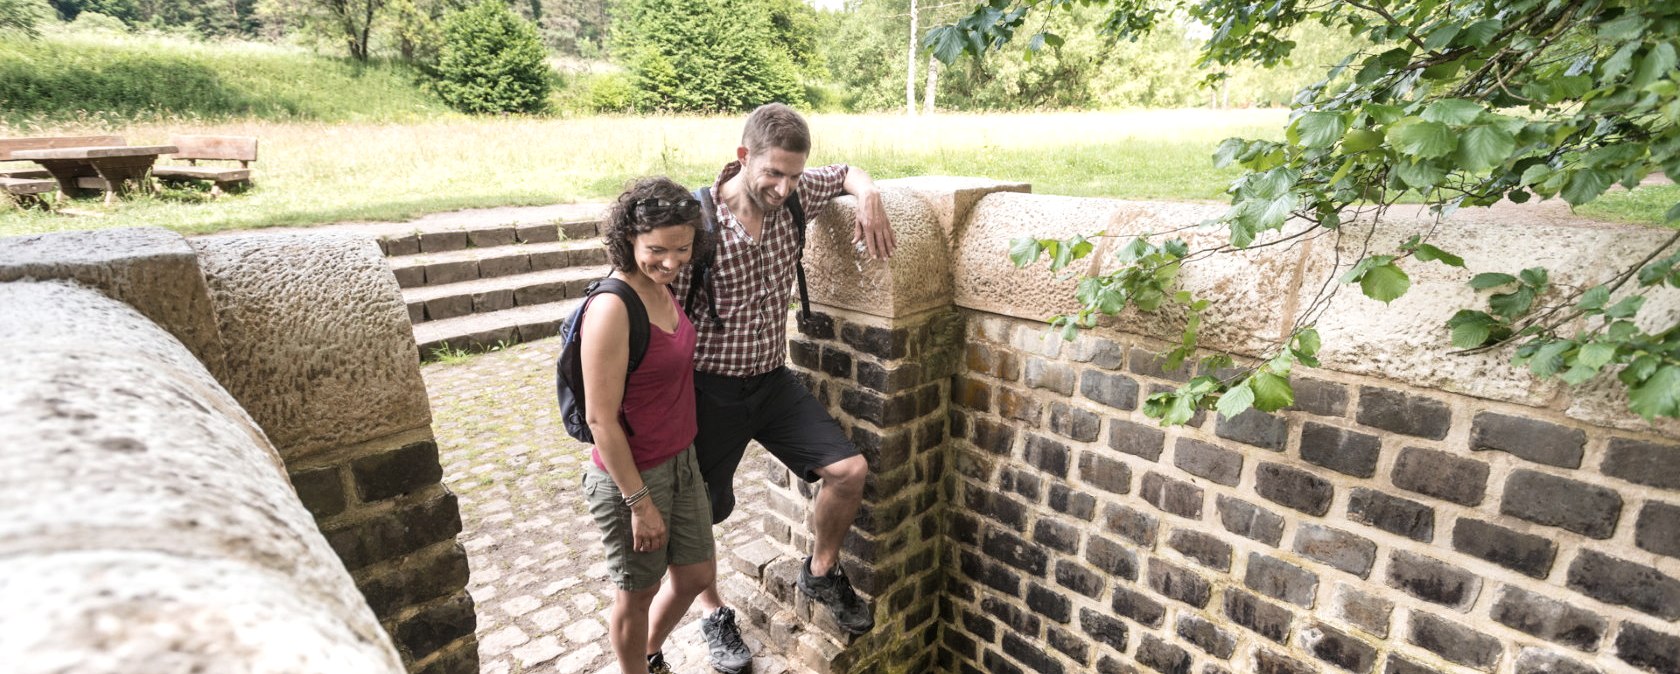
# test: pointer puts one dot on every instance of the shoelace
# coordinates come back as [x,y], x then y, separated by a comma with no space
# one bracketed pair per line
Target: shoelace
[732,637]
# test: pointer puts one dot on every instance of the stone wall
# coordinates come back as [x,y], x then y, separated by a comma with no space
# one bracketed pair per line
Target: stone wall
[301,343]
[1414,512]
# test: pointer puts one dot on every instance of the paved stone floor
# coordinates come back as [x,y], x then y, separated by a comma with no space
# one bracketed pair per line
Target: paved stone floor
[539,577]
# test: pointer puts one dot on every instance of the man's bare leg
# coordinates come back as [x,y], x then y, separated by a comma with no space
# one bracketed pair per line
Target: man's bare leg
[835,509]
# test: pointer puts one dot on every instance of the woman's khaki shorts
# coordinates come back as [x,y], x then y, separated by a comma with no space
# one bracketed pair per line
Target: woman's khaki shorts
[680,495]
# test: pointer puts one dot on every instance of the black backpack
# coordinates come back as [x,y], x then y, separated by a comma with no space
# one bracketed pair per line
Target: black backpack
[568,369]
[701,272]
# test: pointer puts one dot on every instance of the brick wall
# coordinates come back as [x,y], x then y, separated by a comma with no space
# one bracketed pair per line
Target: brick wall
[1373,527]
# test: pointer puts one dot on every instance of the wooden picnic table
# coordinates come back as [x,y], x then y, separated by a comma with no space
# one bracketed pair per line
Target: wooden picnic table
[103,167]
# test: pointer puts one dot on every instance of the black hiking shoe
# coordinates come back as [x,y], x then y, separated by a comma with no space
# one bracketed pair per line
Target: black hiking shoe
[835,592]
[656,664]
[729,653]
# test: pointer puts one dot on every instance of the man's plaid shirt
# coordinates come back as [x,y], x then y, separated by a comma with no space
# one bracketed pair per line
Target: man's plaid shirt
[753,280]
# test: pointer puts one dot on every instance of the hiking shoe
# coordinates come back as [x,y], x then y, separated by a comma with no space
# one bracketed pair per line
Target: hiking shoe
[656,664]
[835,592]
[729,653]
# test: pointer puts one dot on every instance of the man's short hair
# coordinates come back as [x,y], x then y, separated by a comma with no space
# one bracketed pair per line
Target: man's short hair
[776,125]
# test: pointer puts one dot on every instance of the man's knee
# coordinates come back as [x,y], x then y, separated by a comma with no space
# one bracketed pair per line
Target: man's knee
[722,505]
[848,474]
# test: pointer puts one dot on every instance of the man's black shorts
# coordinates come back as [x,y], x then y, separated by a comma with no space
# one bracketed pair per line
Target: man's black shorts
[772,408]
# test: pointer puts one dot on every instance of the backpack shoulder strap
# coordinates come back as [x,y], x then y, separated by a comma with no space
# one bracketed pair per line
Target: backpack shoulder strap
[700,269]
[797,210]
[638,316]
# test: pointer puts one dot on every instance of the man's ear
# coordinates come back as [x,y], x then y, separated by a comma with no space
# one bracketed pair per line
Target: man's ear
[741,153]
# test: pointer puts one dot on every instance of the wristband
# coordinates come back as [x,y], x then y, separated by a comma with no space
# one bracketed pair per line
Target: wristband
[631,500]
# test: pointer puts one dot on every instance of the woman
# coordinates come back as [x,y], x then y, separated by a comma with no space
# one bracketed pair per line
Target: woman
[644,489]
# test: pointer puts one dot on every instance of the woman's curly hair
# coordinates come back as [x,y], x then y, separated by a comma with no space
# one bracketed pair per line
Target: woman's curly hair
[648,204]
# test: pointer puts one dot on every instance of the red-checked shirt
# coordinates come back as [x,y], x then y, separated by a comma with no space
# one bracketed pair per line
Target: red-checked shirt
[753,280]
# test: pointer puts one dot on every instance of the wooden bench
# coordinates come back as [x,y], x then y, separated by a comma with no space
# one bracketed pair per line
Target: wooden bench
[25,184]
[194,149]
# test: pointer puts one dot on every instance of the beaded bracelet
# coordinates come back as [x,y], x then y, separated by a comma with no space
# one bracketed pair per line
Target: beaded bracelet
[631,500]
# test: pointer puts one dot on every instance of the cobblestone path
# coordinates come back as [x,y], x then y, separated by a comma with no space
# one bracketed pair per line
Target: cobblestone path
[538,575]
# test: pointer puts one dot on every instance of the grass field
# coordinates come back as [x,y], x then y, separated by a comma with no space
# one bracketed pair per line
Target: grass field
[317,172]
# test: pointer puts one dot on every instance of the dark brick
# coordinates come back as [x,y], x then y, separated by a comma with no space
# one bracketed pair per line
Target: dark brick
[1049,603]
[805,354]
[1179,498]
[993,437]
[877,341]
[1000,508]
[1258,615]
[1548,618]
[1019,406]
[1339,449]
[1433,580]
[434,576]
[1206,636]
[1108,665]
[1267,662]
[1049,375]
[1586,509]
[1648,649]
[1392,514]
[1278,579]
[883,453]
[1208,460]
[1646,463]
[1019,620]
[1178,583]
[1111,557]
[1207,550]
[1097,351]
[1151,365]
[1069,502]
[878,377]
[1104,473]
[397,472]
[975,394]
[1531,555]
[996,664]
[1114,390]
[836,362]
[1138,606]
[1365,611]
[1074,423]
[964,528]
[1068,643]
[1319,397]
[1455,642]
[1254,427]
[1103,629]
[1012,550]
[1530,439]
[1250,521]
[980,626]
[1294,488]
[396,533]
[1079,579]
[436,626]
[1537,661]
[1442,475]
[1136,526]
[1338,648]
[1020,482]
[1135,439]
[1625,583]
[1030,654]
[1057,536]
[1399,665]
[1345,551]
[1659,529]
[1048,455]
[1162,657]
[1394,411]
[454,661]
[320,490]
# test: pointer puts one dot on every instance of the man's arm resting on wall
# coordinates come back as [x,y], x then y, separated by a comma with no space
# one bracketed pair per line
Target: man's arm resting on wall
[872,226]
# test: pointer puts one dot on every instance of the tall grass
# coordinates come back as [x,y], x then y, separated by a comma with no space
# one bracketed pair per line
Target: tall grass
[69,78]
[312,173]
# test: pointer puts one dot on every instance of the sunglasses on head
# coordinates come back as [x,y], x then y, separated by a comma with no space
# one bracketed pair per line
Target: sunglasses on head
[654,207]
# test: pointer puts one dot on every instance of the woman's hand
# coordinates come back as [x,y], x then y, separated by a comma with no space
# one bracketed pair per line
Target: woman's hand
[647,527]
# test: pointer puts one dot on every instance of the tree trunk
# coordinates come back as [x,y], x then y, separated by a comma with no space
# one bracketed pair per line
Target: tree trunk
[932,85]
[910,61]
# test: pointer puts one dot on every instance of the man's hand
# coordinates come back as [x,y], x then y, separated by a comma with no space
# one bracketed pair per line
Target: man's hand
[872,229]
[647,527]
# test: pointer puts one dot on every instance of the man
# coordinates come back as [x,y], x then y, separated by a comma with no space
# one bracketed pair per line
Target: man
[743,389]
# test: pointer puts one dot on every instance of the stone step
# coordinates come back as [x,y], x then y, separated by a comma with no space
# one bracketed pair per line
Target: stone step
[443,238]
[432,269]
[483,296]
[483,332]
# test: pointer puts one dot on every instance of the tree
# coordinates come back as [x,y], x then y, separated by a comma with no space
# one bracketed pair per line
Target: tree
[1459,102]
[491,61]
[22,16]
[703,55]
[349,22]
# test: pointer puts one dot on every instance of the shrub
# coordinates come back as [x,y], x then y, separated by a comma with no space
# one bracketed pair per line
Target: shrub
[491,61]
[704,56]
[23,16]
